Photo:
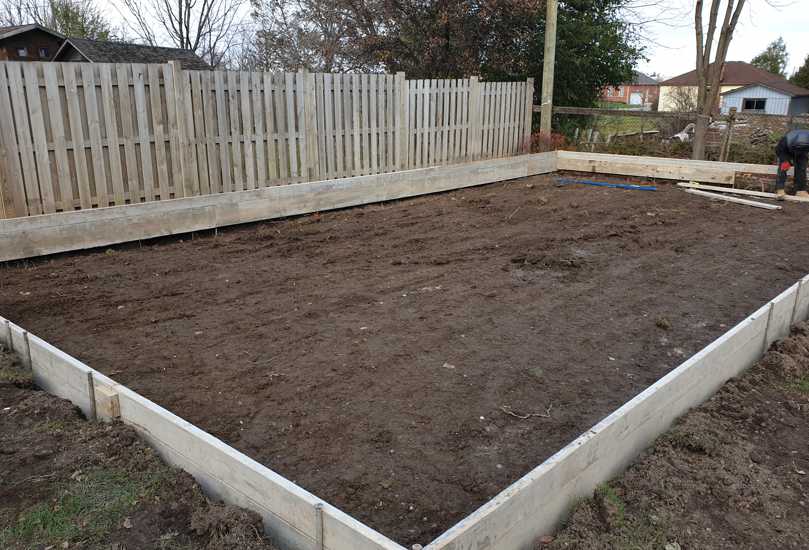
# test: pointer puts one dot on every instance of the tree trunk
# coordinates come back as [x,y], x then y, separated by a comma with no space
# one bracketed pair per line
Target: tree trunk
[700,131]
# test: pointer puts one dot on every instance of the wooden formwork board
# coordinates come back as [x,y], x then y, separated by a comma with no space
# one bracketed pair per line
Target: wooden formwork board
[83,229]
[532,506]
[537,503]
[290,513]
[654,167]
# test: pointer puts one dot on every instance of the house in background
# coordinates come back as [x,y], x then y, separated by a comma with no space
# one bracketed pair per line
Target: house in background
[100,51]
[642,90]
[28,43]
[743,86]
[769,99]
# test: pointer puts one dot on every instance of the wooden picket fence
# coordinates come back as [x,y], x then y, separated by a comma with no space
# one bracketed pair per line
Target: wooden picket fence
[82,135]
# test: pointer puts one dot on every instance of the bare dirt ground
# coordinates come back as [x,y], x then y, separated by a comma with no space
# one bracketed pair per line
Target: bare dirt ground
[733,473]
[370,354]
[69,483]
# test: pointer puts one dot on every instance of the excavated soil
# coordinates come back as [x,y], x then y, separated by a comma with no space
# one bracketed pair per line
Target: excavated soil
[69,483]
[732,473]
[384,357]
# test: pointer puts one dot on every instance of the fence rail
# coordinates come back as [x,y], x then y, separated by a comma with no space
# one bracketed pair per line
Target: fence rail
[81,135]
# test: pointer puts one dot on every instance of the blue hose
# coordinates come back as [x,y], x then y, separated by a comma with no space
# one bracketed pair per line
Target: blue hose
[566,181]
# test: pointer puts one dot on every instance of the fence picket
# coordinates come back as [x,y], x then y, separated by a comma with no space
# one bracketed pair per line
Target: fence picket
[138,75]
[65,184]
[161,135]
[86,135]
[13,185]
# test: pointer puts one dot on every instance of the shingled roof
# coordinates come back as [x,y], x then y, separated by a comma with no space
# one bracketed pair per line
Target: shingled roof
[13,30]
[98,51]
[640,79]
[739,73]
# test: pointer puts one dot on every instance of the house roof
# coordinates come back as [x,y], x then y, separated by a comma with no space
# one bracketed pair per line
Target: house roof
[739,73]
[787,93]
[13,30]
[640,79]
[99,51]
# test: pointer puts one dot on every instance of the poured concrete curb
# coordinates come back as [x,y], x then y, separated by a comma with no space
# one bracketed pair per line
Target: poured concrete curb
[294,519]
[536,504]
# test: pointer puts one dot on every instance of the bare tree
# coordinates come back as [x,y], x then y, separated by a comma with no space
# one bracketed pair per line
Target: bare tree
[79,18]
[319,35]
[682,99]
[208,27]
[709,73]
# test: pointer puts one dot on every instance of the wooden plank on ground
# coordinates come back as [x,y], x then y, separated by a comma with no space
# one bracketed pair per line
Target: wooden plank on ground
[735,191]
[736,200]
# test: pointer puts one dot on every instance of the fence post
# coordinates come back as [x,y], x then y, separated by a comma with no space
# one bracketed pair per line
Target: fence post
[402,122]
[310,126]
[475,118]
[182,108]
[529,115]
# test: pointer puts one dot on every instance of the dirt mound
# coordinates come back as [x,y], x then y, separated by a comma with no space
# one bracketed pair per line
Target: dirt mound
[732,473]
[66,482]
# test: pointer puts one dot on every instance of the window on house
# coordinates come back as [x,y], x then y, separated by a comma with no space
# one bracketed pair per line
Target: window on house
[43,52]
[754,104]
[22,52]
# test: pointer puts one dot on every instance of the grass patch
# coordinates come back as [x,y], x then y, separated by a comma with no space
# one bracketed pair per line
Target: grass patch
[613,503]
[12,375]
[50,426]
[802,385]
[88,508]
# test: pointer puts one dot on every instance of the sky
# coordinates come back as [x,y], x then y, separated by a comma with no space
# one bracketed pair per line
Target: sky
[672,46]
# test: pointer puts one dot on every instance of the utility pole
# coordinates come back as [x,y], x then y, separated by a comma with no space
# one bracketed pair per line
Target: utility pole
[546,111]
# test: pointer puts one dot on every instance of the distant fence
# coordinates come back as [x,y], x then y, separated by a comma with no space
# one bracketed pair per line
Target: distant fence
[80,135]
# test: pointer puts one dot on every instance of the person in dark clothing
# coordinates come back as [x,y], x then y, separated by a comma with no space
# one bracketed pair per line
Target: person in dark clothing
[792,149]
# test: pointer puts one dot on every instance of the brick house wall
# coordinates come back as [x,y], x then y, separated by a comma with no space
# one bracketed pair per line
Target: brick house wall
[622,93]
[33,42]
